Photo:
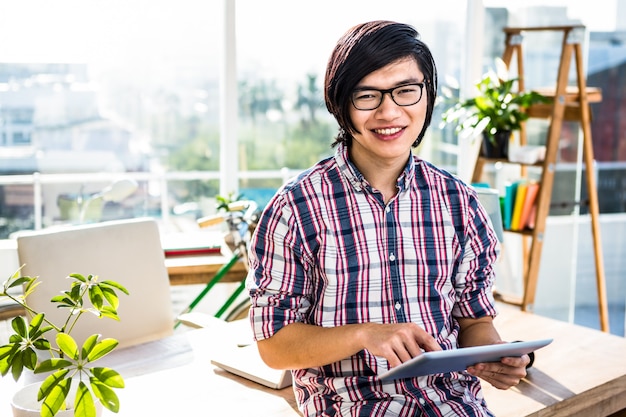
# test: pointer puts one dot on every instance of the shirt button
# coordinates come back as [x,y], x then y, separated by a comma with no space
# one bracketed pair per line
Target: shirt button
[398,306]
[422,401]
[387,209]
[392,257]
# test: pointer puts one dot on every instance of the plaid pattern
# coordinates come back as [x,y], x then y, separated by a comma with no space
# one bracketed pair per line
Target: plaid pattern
[329,252]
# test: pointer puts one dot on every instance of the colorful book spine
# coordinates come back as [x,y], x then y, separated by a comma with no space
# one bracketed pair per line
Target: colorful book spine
[520,196]
[529,205]
[509,201]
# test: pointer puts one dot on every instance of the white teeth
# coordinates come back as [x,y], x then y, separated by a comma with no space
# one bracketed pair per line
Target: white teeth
[388,131]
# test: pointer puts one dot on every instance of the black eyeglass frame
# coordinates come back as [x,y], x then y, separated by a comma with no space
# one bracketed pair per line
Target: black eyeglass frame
[390,92]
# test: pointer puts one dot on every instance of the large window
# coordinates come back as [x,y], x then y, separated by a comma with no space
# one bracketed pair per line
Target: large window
[102,89]
[134,86]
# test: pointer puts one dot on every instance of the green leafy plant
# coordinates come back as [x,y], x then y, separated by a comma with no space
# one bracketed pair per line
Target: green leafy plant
[224,203]
[66,362]
[496,107]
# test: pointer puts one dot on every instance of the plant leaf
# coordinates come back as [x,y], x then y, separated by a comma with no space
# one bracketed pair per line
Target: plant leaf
[106,395]
[18,282]
[75,293]
[55,398]
[101,349]
[29,358]
[109,312]
[84,405]
[17,366]
[64,300]
[115,285]
[78,277]
[34,330]
[88,345]
[50,382]
[30,286]
[7,353]
[110,296]
[7,350]
[41,344]
[68,345]
[96,297]
[19,326]
[52,365]
[108,376]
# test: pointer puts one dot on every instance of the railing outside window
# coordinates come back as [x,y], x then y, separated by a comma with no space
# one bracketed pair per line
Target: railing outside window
[157,183]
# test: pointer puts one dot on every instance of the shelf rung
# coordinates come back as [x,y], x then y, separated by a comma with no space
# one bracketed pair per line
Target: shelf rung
[594,94]
[515,300]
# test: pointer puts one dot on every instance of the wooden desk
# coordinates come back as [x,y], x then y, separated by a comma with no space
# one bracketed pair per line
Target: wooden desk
[582,373]
[186,270]
[174,377]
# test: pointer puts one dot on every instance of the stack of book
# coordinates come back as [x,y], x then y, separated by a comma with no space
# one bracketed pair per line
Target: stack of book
[520,205]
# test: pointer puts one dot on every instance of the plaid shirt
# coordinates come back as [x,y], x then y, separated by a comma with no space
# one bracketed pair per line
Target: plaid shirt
[329,252]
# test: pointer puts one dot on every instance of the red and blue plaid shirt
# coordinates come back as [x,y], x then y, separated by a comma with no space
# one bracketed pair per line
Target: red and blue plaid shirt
[329,252]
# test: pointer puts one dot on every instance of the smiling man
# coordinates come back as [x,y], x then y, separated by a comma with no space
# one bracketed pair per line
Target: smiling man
[372,256]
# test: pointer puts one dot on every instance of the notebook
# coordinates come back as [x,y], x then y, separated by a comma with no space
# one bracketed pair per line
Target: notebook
[235,351]
[246,362]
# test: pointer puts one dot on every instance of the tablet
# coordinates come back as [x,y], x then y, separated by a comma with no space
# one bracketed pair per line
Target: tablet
[459,359]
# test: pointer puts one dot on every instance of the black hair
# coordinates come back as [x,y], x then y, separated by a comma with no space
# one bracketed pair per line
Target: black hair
[364,49]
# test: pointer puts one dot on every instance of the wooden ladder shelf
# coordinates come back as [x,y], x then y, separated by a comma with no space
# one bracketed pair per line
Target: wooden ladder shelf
[569,103]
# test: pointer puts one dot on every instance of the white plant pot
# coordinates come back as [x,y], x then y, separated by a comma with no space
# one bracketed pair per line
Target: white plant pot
[25,404]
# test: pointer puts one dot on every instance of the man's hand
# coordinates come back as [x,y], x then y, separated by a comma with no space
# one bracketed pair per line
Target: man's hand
[504,374]
[397,342]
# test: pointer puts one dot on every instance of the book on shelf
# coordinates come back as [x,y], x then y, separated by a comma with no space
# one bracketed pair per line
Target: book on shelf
[509,201]
[532,189]
[531,217]
[520,195]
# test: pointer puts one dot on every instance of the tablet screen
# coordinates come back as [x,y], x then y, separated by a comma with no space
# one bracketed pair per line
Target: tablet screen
[459,359]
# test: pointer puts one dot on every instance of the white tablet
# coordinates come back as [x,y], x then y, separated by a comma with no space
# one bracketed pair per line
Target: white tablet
[459,359]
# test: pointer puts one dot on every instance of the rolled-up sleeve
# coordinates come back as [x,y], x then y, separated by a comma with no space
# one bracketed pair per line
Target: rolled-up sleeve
[475,276]
[277,282]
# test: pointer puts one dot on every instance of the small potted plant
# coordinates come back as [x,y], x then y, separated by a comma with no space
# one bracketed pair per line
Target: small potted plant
[494,112]
[65,362]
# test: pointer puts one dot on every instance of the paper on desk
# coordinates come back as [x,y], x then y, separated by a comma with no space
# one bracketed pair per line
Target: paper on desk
[238,332]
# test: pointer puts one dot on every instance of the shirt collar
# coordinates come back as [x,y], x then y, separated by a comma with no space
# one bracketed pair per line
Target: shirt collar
[354,176]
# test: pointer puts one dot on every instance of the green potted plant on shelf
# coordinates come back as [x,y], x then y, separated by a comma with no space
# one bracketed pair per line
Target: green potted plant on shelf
[495,112]
[65,362]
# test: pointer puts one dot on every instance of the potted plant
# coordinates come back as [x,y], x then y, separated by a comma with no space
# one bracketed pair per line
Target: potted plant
[495,112]
[66,363]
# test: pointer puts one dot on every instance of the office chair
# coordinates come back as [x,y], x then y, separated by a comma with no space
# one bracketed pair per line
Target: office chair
[126,251]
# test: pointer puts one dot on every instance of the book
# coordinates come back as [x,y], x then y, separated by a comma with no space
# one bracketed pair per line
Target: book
[529,203]
[520,196]
[509,200]
[531,217]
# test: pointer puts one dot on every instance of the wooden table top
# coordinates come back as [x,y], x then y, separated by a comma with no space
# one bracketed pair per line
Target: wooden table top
[582,373]
[174,377]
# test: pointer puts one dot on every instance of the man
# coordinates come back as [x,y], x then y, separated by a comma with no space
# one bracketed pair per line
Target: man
[372,256]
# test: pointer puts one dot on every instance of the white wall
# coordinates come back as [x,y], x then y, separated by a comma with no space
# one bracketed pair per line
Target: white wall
[567,275]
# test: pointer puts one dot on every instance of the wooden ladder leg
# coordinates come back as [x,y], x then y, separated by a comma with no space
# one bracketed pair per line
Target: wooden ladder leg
[594,210]
[547,177]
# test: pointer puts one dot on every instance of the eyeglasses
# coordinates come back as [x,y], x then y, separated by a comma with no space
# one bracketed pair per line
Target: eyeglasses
[372,98]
